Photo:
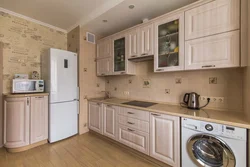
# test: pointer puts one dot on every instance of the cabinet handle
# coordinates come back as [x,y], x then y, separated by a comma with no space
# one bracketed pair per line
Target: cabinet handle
[159,70]
[28,101]
[208,66]
[144,54]
[109,106]
[102,74]
[40,97]
[98,104]
[131,130]
[157,115]
[123,73]
[130,113]
[130,123]
[134,56]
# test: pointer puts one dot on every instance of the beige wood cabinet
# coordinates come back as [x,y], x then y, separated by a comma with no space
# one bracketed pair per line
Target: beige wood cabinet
[212,18]
[16,122]
[133,43]
[109,120]
[95,117]
[218,51]
[25,121]
[104,66]
[146,40]
[38,119]
[104,48]
[165,138]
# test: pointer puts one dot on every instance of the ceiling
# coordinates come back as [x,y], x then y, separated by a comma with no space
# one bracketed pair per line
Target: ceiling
[63,14]
[67,14]
[121,17]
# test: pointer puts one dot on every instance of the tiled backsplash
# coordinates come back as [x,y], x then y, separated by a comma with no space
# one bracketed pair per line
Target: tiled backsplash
[170,87]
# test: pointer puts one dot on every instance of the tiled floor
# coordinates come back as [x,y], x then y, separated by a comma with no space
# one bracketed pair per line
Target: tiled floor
[86,150]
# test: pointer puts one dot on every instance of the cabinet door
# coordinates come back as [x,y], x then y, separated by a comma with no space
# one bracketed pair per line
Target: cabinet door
[169,43]
[212,18]
[218,51]
[133,43]
[95,117]
[146,40]
[104,67]
[165,139]
[38,119]
[133,138]
[16,122]
[104,48]
[109,120]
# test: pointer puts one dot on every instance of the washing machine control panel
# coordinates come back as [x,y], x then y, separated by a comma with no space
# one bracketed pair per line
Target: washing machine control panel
[215,129]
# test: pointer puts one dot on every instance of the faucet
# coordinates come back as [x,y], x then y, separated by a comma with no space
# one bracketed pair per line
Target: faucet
[107,94]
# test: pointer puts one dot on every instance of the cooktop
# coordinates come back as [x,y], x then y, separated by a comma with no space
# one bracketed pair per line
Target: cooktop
[139,103]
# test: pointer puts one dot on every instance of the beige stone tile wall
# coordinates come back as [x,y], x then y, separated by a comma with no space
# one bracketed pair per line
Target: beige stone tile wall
[1,91]
[229,86]
[24,42]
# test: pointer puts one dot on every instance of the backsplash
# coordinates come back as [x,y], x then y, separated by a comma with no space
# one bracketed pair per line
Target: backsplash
[170,87]
[23,43]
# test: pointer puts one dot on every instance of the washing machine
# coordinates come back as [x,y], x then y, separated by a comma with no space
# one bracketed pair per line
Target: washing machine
[206,144]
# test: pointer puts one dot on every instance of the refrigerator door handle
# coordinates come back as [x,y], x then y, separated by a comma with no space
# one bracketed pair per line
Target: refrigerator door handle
[77,92]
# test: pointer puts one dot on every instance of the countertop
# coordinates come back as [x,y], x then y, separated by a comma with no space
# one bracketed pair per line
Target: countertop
[6,95]
[222,117]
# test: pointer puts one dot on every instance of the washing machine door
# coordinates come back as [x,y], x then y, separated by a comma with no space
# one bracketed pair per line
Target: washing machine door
[209,151]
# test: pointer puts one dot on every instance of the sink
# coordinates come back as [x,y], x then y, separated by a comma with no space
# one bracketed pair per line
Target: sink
[139,103]
[102,98]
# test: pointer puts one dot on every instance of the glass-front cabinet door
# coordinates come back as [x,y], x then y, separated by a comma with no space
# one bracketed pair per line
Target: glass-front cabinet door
[169,34]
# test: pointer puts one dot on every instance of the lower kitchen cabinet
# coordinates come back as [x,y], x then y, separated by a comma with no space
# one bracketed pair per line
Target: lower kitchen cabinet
[165,138]
[109,120]
[95,117]
[133,138]
[25,122]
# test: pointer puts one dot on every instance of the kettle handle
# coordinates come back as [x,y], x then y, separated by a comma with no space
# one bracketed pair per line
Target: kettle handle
[185,100]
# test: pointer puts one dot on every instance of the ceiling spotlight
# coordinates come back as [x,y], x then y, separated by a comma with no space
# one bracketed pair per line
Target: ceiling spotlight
[104,21]
[131,6]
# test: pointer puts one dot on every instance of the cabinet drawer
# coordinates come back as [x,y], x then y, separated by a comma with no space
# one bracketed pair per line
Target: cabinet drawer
[212,18]
[218,51]
[134,123]
[134,139]
[134,113]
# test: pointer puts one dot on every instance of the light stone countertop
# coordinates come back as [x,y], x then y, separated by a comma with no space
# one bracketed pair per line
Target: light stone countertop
[10,95]
[222,117]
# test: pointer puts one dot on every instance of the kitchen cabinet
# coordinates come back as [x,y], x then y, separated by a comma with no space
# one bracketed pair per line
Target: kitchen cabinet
[212,18]
[104,66]
[95,117]
[169,43]
[104,48]
[165,138]
[25,121]
[109,120]
[218,51]
[16,122]
[38,119]
[133,138]
[146,40]
[133,43]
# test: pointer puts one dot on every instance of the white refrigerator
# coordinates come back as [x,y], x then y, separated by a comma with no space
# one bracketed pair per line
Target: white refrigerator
[59,70]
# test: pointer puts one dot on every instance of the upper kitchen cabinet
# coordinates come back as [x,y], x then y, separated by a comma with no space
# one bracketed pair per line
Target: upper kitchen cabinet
[212,18]
[169,43]
[146,40]
[121,65]
[104,48]
[133,43]
[104,66]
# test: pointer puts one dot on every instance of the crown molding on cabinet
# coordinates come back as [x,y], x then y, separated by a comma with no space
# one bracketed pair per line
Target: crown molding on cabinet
[32,20]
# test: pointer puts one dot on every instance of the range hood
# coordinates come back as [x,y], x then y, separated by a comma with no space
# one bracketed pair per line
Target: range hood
[141,58]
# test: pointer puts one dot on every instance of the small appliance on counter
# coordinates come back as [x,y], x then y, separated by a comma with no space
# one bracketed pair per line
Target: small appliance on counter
[27,86]
[191,101]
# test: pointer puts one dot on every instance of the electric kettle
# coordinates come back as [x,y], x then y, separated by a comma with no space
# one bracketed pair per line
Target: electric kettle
[192,100]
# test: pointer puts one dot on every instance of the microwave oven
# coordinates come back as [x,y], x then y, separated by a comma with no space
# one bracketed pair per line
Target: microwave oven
[27,86]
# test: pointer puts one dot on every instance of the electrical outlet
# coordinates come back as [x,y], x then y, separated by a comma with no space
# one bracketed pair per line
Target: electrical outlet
[213,99]
[126,93]
[167,91]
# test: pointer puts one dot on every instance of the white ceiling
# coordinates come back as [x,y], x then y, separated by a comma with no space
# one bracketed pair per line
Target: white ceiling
[67,14]
[63,14]
[121,17]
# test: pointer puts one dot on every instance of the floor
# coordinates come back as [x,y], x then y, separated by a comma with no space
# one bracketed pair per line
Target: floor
[86,150]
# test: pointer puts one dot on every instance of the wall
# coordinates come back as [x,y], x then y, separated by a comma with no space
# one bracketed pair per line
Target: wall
[24,42]
[1,97]
[90,85]
[229,86]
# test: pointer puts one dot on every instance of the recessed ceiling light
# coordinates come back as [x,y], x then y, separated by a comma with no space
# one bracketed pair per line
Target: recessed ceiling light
[104,21]
[131,6]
